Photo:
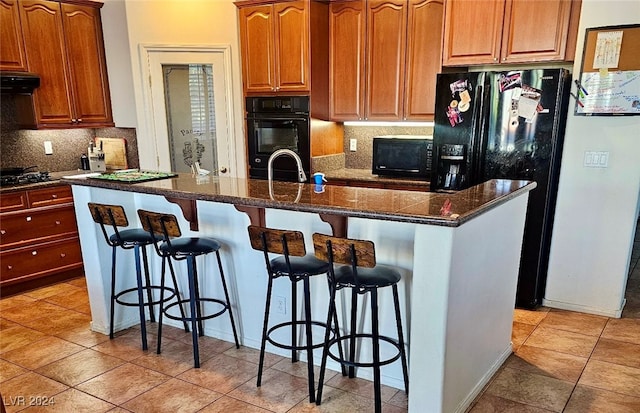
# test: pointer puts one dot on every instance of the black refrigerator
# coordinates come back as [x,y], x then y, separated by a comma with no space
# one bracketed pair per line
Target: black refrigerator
[506,125]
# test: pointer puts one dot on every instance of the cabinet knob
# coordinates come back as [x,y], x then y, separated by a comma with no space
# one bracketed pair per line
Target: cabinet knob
[223,170]
[9,267]
[74,120]
[57,222]
[54,196]
[28,219]
[80,120]
[504,59]
[34,252]
[2,231]
[495,59]
[62,255]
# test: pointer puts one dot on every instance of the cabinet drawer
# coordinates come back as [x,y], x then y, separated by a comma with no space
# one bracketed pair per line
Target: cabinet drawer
[50,196]
[20,228]
[12,201]
[40,260]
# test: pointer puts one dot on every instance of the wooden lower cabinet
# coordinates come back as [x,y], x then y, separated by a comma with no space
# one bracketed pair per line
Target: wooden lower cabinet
[38,238]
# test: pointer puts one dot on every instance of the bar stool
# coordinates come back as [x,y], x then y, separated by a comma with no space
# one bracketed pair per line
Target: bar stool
[293,262]
[114,216]
[178,248]
[362,276]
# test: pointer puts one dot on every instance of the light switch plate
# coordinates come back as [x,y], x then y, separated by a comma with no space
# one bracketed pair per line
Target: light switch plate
[596,159]
[48,148]
[353,145]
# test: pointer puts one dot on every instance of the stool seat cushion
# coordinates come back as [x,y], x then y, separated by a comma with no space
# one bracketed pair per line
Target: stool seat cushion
[191,246]
[378,276]
[308,264]
[132,235]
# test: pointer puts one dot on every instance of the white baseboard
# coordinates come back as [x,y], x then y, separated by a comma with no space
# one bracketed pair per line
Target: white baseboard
[613,313]
[464,405]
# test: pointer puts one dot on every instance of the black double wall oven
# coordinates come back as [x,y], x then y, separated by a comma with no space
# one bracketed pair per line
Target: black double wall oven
[278,122]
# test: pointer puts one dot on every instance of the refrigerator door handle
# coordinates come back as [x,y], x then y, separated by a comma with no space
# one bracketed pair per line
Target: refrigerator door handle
[478,135]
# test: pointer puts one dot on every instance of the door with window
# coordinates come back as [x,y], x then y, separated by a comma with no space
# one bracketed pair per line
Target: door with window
[189,103]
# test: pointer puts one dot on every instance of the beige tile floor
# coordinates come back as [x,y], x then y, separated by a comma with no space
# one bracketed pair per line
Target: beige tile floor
[562,362]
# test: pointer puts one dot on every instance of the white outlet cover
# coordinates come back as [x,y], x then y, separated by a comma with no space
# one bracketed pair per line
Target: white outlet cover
[48,148]
[353,145]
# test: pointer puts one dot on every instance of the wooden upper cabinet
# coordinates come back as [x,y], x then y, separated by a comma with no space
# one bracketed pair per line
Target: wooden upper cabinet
[87,64]
[386,45]
[522,37]
[46,56]
[346,60]
[275,47]
[384,56]
[509,31]
[472,32]
[64,46]
[12,45]
[292,45]
[424,57]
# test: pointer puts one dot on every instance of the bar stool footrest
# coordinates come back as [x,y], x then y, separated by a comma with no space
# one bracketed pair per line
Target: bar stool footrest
[146,303]
[363,364]
[290,324]
[224,305]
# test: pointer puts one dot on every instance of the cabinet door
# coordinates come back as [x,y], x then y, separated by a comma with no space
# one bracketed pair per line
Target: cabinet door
[424,54]
[472,32]
[46,55]
[524,41]
[386,47]
[258,52]
[292,46]
[346,60]
[87,67]
[12,47]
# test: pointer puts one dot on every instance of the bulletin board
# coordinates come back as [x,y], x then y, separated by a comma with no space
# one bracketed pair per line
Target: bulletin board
[609,81]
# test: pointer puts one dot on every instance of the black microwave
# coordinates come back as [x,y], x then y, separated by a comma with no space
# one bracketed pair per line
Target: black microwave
[403,156]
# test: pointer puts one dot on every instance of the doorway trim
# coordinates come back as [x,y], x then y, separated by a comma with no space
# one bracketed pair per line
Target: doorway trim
[147,139]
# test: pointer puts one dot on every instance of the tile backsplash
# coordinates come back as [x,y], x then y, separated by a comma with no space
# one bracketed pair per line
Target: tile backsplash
[23,148]
[362,157]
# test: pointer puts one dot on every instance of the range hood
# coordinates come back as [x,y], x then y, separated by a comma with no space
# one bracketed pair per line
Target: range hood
[18,82]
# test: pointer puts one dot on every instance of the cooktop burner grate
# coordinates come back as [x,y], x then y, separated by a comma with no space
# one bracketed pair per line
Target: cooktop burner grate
[24,178]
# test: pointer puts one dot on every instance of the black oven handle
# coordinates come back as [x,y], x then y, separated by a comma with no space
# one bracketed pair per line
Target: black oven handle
[255,116]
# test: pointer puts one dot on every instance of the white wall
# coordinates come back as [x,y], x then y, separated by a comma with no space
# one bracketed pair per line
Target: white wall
[116,45]
[184,22]
[597,208]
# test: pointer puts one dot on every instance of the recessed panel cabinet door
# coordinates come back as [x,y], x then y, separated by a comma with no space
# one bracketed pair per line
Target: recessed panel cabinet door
[424,56]
[256,37]
[473,30]
[346,60]
[46,55]
[386,45]
[87,66]
[535,30]
[292,46]
[12,47]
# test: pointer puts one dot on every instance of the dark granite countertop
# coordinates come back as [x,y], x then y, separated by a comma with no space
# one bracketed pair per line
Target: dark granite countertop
[365,175]
[444,209]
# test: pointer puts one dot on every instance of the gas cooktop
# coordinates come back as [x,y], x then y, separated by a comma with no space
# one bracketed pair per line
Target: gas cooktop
[19,176]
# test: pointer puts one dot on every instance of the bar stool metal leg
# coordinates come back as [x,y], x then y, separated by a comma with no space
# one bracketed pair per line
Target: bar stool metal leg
[294,320]
[143,327]
[376,350]
[192,307]
[325,351]
[226,296]
[264,330]
[403,353]
[113,290]
[309,336]
[352,332]
[175,285]
[145,261]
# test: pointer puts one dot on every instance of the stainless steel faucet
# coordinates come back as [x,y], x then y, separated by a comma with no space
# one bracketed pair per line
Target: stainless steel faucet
[302,177]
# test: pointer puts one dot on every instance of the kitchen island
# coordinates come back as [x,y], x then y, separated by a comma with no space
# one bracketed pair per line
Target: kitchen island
[458,255]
